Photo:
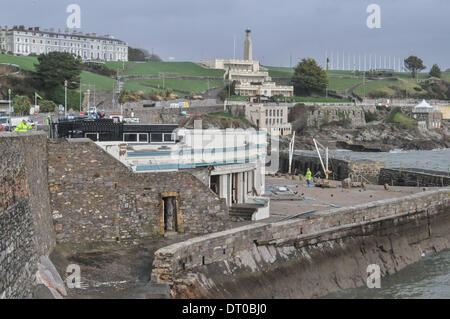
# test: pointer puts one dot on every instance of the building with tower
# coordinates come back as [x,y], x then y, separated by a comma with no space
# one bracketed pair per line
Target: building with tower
[248,46]
[251,78]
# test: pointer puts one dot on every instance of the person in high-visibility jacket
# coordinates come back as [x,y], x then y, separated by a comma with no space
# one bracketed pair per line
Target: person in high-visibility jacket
[308,177]
[23,127]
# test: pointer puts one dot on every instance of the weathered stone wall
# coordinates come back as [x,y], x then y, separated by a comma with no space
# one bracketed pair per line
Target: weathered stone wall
[26,228]
[96,198]
[402,177]
[308,257]
[303,116]
[341,169]
[370,170]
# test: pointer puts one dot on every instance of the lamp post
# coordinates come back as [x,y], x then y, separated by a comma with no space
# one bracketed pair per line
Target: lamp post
[65,98]
[88,99]
[9,109]
[81,102]
[364,84]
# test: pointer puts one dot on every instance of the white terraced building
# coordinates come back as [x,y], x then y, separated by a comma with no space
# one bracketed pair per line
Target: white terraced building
[234,159]
[90,47]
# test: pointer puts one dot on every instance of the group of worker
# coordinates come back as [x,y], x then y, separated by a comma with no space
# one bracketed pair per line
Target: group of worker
[25,127]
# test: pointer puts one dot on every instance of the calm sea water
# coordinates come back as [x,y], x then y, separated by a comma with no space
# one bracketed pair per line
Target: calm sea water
[428,278]
[438,159]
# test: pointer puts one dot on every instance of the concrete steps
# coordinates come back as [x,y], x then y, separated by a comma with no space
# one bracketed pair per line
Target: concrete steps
[243,211]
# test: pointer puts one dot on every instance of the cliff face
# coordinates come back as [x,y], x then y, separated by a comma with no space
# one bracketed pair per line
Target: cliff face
[308,258]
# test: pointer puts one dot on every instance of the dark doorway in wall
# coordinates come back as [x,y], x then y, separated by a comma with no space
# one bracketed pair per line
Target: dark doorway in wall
[170,213]
[215,184]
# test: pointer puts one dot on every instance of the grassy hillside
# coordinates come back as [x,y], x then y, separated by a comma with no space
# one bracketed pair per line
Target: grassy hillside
[197,86]
[342,84]
[119,65]
[386,87]
[141,85]
[174,68]
[24,62]
[338,80]
[280,72]
[446,76]
[102,83]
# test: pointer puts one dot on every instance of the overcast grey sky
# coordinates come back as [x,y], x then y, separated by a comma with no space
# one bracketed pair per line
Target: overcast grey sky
[191,30]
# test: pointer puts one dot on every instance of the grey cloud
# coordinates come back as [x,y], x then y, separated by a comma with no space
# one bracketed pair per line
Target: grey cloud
[198,29]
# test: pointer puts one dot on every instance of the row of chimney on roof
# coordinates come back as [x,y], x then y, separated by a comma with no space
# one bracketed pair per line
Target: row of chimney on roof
[38,29]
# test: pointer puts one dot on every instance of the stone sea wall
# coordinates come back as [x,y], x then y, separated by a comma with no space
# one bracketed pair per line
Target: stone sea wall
[341,169]
[26,228]
[94,197]
[405,177]
[310,257]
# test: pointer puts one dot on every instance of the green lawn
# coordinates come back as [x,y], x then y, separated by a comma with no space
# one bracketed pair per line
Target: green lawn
[142,85]
[102,83]
[280,72]
[334,73]
[175,68]
[383,86]
[342,84]
[119,65]
[446,76]
[338,80]
[198,86]
[373,86]
[24,62]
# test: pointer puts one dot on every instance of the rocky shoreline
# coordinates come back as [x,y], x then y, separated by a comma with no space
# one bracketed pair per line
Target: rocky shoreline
[375,137]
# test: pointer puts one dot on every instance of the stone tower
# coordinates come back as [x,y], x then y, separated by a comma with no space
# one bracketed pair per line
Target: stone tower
[248,47]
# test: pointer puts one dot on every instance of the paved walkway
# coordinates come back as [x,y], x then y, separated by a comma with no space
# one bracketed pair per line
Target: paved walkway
[324,198]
